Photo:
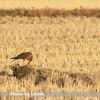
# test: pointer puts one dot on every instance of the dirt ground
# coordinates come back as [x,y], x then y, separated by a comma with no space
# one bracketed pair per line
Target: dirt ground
[57,4]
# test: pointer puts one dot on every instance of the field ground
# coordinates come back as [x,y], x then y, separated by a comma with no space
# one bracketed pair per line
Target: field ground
[70,44]
[56,4]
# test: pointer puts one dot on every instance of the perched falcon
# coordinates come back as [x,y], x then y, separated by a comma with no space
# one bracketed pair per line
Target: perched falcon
[25,56]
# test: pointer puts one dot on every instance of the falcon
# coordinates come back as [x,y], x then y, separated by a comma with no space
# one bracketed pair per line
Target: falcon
[25,56]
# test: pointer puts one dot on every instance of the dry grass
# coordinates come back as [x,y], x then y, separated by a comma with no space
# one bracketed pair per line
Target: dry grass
[59,44]
[50,12]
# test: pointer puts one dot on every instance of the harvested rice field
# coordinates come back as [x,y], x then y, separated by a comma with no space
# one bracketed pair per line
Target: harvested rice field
[63,49]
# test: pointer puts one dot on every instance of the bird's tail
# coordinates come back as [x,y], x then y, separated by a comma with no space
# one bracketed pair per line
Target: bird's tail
[13,60]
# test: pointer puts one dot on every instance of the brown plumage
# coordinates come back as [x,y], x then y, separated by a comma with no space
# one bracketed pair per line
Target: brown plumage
[24,56]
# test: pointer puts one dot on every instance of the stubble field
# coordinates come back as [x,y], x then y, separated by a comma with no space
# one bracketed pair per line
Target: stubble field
[56,4]
[70,44]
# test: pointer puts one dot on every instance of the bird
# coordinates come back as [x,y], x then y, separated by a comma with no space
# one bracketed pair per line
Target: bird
[25,56]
